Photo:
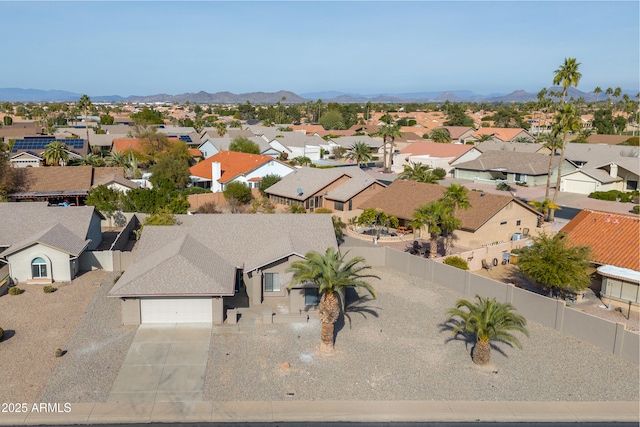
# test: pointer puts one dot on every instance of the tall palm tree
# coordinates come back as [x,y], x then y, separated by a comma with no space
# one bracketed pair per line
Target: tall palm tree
[360,152]
[616,94]
[609,92]
[552,142]
[456,196]
[85,103]
[449,223]
[332,274]
[487,320]
[56,153]
[430,216]
[389,133]
[567,121]
[597,91]
[567,75]
[441,136]
[418,172]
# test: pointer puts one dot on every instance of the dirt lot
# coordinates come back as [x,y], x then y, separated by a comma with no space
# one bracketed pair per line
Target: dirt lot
[36,324]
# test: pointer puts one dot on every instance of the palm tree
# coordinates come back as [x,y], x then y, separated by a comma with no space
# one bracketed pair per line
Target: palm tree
[430,216]
[418,172]
[566,121]
[567,75]
[609,92]
[485,137]
[597,91]
[116,159]
[360,152]
[389,133]
[456,196]
[56,153]
[487,320]
[552,142]
[85,103]
[332,274]
[441,136]
[221,129]
[544,207]
[449,223]
[616,93]
[87,160]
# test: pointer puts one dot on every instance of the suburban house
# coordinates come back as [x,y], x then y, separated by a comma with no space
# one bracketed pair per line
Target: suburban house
[491,218]
[115,180]
[347,142]
[340,189]
[48,249]
[459,134]
[518,147]
[434,155]
[211,146]
[68,184]
[26,159]
[195,271]
[504,134]
[513,167]
[614,240]
[607,139]
[37,144]
[19,130]
[225,167]
[297,144]
[601,168]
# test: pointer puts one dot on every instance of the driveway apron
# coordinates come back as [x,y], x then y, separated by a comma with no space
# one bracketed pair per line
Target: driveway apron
[165,363]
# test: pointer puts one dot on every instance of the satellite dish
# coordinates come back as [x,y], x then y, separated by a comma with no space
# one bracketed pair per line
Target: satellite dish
[299,190]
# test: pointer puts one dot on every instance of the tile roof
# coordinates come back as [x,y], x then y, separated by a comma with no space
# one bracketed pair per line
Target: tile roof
[19,220]
[434,149]
[510,162]
[232,164]
[504,134]
[200,257]
[401,198]
[121,145]
[457,131]
[614,238]
[607,139]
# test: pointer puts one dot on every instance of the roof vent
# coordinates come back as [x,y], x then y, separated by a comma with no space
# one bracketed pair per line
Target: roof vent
[299,190]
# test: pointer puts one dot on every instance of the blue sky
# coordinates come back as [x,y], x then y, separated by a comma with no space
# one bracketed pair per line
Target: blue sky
[366,47]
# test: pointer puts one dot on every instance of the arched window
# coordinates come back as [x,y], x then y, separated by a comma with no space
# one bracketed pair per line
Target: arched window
[38,268]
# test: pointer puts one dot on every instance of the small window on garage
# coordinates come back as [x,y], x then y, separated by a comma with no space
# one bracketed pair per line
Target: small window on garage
[272,282]
[311,296]
[503,223]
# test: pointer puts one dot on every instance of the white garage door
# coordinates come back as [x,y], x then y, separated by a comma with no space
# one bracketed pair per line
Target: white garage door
[582,187]
[176,310]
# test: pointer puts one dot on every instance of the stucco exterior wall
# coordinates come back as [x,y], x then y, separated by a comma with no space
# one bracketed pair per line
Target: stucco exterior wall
[95,231]
[130,311]
[59,267]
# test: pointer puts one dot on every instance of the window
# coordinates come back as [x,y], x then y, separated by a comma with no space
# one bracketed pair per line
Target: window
[311,296]
[271,282]
[632,185]
[503,223]
[38,268]
[518,223]
[520,177]
[339,206]
[350,204]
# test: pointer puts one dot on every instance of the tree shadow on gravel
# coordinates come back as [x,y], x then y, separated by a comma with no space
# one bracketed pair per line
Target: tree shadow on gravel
[8,334]
[468,338]
[357,304]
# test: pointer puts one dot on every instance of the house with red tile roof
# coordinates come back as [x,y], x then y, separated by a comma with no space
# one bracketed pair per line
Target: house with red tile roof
[614,240]
[434,155]
[225,167]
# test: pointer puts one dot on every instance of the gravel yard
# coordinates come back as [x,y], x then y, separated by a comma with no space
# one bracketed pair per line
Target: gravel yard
[35,324]
[395,349]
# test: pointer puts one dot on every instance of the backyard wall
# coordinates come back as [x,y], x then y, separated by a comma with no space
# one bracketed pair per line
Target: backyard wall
[105,260]
[610,336]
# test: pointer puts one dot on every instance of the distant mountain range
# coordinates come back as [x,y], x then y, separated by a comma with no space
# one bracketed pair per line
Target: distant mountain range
[36,95]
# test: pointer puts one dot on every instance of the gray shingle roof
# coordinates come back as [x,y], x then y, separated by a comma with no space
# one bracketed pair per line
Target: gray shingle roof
[519,147]
[348,141]
[510,162]
[20,220]
[200,256]
[57,236]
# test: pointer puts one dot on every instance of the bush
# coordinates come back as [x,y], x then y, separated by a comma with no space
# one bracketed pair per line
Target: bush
[439,173]
[208,208]
[237,192]
[613,195]
[503,186]
[49,289]
[636,209]
[323,210]
[15,291]
[457,262]
[296,208]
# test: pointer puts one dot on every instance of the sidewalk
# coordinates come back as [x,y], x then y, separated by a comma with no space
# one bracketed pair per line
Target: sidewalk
[327,411]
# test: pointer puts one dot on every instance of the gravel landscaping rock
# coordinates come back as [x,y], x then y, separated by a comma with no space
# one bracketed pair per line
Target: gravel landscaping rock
[94,354]
[395,348]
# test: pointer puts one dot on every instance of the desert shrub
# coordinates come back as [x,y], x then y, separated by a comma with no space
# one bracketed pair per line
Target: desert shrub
[208,208]
[503,186]
[636,209]
[296,208]
[323,210]
[48,289]
[612,196]
[457,262]
[439,173]
[15,291]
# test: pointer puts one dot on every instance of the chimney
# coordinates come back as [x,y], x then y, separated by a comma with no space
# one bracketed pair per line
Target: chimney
[215,171]
[613,171]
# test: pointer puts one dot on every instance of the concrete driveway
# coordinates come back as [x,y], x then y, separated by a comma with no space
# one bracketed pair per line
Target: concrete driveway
[165,363]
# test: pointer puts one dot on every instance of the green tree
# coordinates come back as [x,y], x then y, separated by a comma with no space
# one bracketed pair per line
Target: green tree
[457,262]
[544,207]
[105,199]
[153,142]
[56,153]
[8,178]
[553,143]
[85,104]
[172,165]
[418,172]
[553,262]
[163,216]
[106,119]
[603,121]
[268,181]
[431,216]
[456,196]
[485,321]
[388,133]
[332,274]
[457,116]
[332,119]
[440,135]
[221,129]
[244,145]
[377,219]
[359,152]
[566,121]
[148,116]
[567,75]
[116,159]
[237,194]
[87,160]
[338,228]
